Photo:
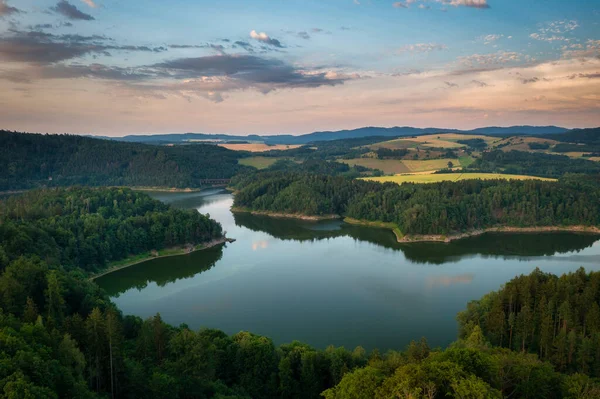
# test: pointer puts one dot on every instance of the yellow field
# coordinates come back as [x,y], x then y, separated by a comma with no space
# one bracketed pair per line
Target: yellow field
[428,165]
[389,166]
[257,147]
[434,178]
[444,140]
[258,162]
[522,143]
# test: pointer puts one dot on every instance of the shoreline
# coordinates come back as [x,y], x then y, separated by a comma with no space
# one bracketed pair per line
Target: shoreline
[441,238]
[199,247]
[499,229]
[297,216]
[380,225]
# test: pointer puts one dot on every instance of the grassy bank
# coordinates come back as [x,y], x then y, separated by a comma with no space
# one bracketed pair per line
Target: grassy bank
[382,225]
[286,215]
[163,253]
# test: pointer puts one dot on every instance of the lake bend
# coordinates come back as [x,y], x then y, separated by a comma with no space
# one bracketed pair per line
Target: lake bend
[331,283]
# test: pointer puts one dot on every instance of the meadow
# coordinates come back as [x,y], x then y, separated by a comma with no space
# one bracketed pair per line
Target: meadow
[257,147]
[259,162]
[438,177]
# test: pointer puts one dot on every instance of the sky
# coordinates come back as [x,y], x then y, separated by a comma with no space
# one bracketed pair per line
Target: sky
[117,67]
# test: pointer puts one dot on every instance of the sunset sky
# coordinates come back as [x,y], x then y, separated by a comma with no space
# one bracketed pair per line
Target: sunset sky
[116,67]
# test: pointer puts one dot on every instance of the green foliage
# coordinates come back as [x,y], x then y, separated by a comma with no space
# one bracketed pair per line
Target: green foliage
[476,144]
[87,228]
[556,318]
[439,208]
[538,146]
[534,164]
[34,160]
[387,153]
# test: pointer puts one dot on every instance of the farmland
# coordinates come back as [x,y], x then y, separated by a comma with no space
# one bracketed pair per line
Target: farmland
[438,177]
[388,166]
[257,147]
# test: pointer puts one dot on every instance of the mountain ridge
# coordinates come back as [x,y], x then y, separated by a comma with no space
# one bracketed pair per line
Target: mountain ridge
[367,131]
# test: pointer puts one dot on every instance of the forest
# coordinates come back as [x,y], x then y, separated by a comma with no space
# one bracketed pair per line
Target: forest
[557,318]
[85,228]
[440,208]
[37,160]
[60,336]
[533,164]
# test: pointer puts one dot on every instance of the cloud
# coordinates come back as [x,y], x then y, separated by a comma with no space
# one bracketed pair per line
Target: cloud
[591,49]
[479,83]
[422,48]
[529,80]
[399,4]
[304,35]
[595,75]
[488,39]
[482,4]
[90,3]
[5,9]
[263,37]
[451,85]
[498,58]
[68,10]
[555,31]
[46,48]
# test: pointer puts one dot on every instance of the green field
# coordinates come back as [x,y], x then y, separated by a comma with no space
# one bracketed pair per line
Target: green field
[389,166]
[466,161]
[258,162]
[429,164]
[434,178]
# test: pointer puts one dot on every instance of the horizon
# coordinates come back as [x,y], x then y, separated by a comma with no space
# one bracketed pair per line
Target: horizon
[297,134]
[107,68]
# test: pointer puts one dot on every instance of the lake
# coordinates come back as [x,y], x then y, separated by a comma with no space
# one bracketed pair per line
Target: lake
[329,283]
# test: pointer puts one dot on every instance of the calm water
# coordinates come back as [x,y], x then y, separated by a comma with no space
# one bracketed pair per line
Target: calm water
[331,283]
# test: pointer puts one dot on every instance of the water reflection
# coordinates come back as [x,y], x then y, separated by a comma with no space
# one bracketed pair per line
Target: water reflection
[487,245]
[332,283]
[160,271]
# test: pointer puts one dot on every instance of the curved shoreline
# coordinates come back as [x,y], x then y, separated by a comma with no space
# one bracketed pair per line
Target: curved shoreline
[297,216]
[499,229]
[203,246]
[442,238]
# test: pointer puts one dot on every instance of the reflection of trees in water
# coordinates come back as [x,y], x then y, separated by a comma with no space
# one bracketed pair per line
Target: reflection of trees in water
[499,245]
[491,244]
[160,271]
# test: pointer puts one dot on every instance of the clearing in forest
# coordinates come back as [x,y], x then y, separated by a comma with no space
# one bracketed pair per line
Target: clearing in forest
[259,162]
[258,147]
[438,177]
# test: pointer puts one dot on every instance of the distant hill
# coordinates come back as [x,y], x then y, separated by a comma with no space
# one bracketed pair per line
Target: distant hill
[33,160]
[579,136]
[397,131]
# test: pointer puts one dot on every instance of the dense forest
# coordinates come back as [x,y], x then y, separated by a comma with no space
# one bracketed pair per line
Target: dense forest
[533,164]
[85,228]
[35,160]
[440,208]
[556,318]
[60,336]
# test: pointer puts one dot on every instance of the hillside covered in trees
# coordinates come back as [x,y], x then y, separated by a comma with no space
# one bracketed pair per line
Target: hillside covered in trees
[441,208]
[534,164]
[556,318]
[60,336]
[85,228]
[35,160]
